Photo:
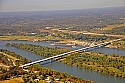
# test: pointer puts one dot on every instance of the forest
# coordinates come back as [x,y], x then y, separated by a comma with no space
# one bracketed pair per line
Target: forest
[39,50]
[98,62]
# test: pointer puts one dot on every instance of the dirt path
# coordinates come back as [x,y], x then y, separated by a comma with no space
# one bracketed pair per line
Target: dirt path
[2,65]
[13,59]
[9,56]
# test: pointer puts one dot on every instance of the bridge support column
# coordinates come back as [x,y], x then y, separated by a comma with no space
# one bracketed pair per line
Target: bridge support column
[39,62]
[50,61]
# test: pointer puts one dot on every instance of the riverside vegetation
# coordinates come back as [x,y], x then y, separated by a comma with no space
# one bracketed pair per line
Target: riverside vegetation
[103,63]
[32,74]
[12,56]
[8,70]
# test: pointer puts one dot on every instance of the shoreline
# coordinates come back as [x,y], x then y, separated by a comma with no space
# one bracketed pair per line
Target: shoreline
[62,41]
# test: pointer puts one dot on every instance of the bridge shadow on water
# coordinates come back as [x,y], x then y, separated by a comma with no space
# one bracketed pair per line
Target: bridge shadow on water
[52,61]
[94,48]
[48,62]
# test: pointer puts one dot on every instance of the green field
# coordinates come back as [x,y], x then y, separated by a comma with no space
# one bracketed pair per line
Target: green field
[27,38]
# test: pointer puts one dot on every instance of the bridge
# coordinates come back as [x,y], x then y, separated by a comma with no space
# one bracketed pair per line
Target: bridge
[78,50]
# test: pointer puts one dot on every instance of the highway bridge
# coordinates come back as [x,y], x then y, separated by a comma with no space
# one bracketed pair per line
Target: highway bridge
[78,50]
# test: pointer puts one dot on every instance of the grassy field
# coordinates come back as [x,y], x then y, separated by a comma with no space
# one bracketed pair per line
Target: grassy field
[20,38]
[16,80]
[110,27]
[27,38]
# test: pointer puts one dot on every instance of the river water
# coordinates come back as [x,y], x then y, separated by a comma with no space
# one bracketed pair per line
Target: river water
[78,72]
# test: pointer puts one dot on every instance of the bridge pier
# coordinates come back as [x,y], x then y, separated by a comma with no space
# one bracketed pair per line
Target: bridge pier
[50,61]
[84,50]
[39,62]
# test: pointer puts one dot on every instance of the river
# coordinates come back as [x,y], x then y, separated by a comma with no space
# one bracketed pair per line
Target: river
[78,72]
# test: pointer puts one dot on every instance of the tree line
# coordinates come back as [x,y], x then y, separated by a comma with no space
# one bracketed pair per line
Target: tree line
[106,64]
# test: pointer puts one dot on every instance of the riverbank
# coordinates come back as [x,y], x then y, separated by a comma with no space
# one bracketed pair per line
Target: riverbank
[119,45]
[105,64]
[102,63]
[34,73]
